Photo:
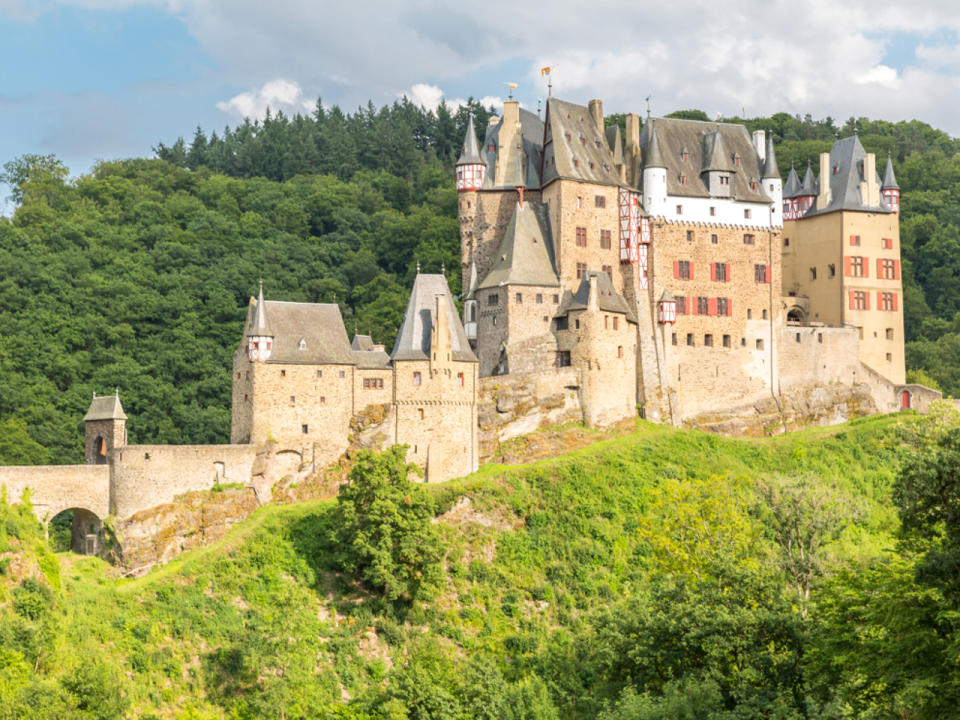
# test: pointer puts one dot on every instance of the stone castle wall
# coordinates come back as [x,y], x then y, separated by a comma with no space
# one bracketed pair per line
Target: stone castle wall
[148,475]
[55,488]
[711,361]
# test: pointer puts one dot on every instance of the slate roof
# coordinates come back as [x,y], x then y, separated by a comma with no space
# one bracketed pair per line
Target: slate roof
[105,408]
[889,179]
[413,340]
[319,325]
[770,169]
[259,326]
[847,157]
[523,170]
[371,359]
[792,187]
[809,186]
[652,155]
[525,256]
[470,153]
[674,135]
[609,299]
[574,148]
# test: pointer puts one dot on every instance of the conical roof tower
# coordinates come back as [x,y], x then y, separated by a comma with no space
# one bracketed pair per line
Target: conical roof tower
[770,169]
[470,154]
[889,179]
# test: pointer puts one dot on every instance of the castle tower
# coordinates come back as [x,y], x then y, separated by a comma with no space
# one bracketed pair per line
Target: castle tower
[470,167]
[260,339]
[889,188]
[106,428]
[654,176]
[772,184]
[790,192]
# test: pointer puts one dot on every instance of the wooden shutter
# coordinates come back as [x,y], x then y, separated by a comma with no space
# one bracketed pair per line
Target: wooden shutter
[711,306]
[848,267]
[879,268]
[896,269]
[866,301]
[728,272]
[852,302]
[713,272]
[866,267]
[676,269]
[729,306]
[895,301]
[691,269]
[766,274]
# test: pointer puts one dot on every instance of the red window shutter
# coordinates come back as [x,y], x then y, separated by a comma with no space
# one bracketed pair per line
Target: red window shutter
[713,272]
[879,267]
[766,273]
[691,269]
[711,306]
[879,300]
[676,269]
[895,302]
[852,303]
[853,239]
[848,268]
[866,301]
[896,269]
[729,306]
[694,305]
[866,267]
[728,272]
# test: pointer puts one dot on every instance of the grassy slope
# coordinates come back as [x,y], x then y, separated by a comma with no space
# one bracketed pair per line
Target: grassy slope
[536,550]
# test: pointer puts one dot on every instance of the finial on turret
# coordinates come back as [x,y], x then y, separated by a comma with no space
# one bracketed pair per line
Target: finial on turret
[443,268]
[116,391]
[94,394]
[418,267]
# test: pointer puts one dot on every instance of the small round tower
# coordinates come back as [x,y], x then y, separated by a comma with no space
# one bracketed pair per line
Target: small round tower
[889,188]
[260,339]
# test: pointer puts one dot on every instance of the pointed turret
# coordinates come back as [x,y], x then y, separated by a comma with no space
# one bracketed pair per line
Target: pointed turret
[470,167]
[792,188]
[259,337]
[809,185]
[889,188]
[652,156]
[770,169]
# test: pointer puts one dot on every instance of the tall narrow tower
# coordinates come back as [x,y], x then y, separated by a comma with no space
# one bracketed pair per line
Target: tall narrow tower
[470,167]
[654,174]
[106,428]
[772,183]
[260,339]
[889,188]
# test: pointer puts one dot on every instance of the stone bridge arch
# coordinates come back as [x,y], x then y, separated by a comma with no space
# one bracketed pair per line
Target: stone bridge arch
[55,488]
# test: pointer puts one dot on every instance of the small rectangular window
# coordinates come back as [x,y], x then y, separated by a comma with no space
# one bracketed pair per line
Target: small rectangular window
[581,270]
[855,240]
[616,322]
[319,373]
[562,323]
[460,379]
[749,238]
[563,358]
[581,239]
[713,212]
[832,270]
[813,273]
[619,351]
[605,240]
[759,343]
[690,339]
[283,373]
[683,269]
[600,201]
[293,399]
[556,299]
[746,213]
[304,429]
[493,299]
[519,298]
[416,378]
[889,333]
[703,306]
[420,413]
[673,338]
[714,239]
[323,400]
[689,235]
[679,209]
[608,269]
[708,340]
[726,341]
[539,298]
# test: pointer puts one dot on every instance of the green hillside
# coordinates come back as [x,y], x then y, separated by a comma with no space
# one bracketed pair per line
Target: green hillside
[656,575]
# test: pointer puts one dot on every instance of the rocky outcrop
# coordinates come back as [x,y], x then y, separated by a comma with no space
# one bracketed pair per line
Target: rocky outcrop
[517,404]
[157,535]
[822,404]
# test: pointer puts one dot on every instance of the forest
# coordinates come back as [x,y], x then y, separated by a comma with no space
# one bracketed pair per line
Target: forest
[137,274]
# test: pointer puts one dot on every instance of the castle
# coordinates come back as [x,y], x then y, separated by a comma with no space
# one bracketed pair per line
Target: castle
[670,266]
[660,268]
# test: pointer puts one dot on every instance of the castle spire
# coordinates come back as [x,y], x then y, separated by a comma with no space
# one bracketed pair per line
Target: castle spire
[653,157]
[770,169]
[889,179]
[792,188]
[470,168]
[470,153]
[259,338]
[259,327]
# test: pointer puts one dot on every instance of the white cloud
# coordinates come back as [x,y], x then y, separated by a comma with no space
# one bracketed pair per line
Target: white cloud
[278,94]
[430,96]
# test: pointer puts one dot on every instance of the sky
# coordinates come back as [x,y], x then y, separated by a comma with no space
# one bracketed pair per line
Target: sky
[104,79]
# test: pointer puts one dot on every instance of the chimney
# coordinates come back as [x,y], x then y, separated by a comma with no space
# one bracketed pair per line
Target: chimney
[826,175]
[511,113]
[593,298]
[440,337]
[596,109]
[870,194]
[633,130]
[760,144]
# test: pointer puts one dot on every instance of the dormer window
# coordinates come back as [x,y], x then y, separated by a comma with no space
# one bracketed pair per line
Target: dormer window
[724,179]
[683,179]
[736,160]
[753,185]
[836,169]
[491,148]
[303,344]
[567,136]
[685,156]
[598,144]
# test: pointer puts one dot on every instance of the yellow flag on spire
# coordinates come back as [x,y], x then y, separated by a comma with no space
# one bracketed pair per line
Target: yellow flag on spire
[512,85]
[544,71]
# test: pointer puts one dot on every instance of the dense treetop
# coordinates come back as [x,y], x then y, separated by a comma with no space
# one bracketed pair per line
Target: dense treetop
[138,274]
